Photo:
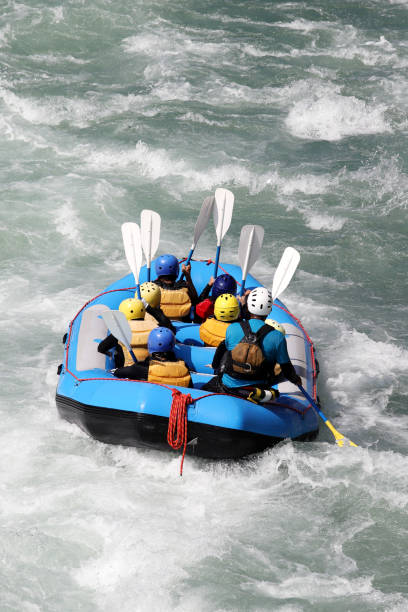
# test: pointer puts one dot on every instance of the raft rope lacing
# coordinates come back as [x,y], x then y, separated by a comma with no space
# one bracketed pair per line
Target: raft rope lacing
[180,401]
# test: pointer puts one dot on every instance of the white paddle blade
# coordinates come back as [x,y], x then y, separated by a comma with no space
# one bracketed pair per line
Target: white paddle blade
[250,244]
[285,270]
[133,248]
[118,325]
[202,221]
[224,204]
[150,233]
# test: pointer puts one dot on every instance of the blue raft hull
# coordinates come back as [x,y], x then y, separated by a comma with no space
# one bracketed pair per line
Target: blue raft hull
[136,413]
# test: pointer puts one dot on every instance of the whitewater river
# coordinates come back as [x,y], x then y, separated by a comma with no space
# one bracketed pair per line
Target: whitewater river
[300,108]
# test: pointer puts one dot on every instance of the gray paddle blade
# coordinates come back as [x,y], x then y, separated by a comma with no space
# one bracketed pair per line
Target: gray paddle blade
[285,270]
[224,204]
[202,221]
[150,233]
[118,325]
[133,248]
[250,244]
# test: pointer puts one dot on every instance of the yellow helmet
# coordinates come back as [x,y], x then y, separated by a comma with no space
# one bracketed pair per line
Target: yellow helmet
[226,307]
[276,325]
[132,309]
[151,293]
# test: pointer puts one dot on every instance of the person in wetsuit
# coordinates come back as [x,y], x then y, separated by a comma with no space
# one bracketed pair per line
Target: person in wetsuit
[225,283]
[143,316]
[247,358]
[161,366]
[177,296]
[213,329]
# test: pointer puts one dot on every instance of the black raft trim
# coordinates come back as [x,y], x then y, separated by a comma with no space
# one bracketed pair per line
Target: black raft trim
[150,431]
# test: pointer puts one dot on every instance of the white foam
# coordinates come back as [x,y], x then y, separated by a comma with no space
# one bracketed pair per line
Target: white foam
[79,112]
[5,35]
[346,43]
[331,116]
[256,51]
[304,25]
[56,58]
[387,183]
[321,221]
[67,222]
[155,163]
[167,42]
[57,13]
[309,184]
[199,118]
[364,374]
[307,585]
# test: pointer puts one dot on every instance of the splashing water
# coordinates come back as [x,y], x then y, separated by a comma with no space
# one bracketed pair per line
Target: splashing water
[300,109]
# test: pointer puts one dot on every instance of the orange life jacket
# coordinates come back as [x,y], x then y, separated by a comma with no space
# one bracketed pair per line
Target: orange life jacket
[176,303]
[212,331]
[141,329]
[173,373]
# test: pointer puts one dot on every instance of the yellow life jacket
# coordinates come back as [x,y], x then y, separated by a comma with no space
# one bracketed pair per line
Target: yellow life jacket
[141,329]
[175,303]
[212,331]
[149,317]
[173,373]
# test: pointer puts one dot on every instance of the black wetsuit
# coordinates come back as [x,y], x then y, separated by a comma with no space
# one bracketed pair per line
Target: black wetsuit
[204,294]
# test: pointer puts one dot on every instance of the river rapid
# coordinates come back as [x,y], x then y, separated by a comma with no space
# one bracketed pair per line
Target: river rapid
[300,108]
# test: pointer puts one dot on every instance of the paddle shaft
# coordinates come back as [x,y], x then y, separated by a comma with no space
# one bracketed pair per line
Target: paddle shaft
[217,259]
[132,355]
[188,260]
[190,255]
[338,436]
[315,406]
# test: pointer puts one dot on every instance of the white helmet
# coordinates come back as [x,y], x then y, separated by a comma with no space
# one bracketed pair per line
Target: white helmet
[260,301]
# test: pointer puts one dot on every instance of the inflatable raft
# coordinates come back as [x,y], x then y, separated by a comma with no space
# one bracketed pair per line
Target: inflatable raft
[136,413]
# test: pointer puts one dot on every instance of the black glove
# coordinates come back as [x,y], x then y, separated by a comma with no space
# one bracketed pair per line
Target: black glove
[296,380]
[289,373]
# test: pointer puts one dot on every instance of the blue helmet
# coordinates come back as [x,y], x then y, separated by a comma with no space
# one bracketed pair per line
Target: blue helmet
[224,284]
[167,265]
[161,340]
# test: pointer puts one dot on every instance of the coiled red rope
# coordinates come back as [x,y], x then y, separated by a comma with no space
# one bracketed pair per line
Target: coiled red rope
[177,430]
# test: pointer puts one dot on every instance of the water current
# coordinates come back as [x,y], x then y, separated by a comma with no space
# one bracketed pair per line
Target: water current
[300,108]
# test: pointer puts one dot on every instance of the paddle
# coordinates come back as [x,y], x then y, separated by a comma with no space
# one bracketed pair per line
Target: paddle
[224,204]
[150,235]
[133,250]
[284,272]
[119,327]
[250,244]
[340,439]
[201,223]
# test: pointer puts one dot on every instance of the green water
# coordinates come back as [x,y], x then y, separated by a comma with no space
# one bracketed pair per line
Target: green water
[301,110]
